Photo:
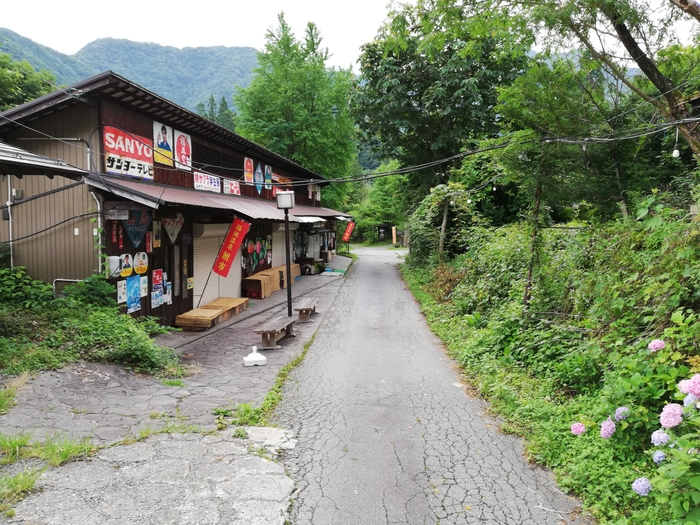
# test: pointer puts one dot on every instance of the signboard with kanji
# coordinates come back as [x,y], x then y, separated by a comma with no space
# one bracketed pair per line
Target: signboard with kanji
[232,243]
[128,154]
[348,231]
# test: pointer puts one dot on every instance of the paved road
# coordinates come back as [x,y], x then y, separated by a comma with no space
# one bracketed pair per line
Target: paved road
[386,432]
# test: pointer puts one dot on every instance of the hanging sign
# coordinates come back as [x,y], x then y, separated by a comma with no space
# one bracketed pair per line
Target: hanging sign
[137,225]
[348,231]
[149,240]
[173,226]
[259,178]
[232,187]
[206,182]
[114,232]
[183,151]
[248,170]
[156,234]
[163,140]
[268,178]
[238,230]
[128,154]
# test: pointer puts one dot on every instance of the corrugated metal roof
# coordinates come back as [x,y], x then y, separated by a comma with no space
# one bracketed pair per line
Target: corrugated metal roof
[19,162]
[155,195]
[313,211]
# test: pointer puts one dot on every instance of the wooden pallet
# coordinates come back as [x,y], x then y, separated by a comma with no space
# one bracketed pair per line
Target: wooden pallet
[201,319]
[234,305]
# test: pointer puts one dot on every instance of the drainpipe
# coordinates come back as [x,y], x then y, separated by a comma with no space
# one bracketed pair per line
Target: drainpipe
[99,231]
[9,213]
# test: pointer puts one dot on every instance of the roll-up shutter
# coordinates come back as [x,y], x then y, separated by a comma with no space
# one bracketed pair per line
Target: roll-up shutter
[205,251]
[278,248]
[231,285]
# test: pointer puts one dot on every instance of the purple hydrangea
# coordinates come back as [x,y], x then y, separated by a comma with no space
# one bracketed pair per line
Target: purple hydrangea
[671,416]
[690,400]
[577,429]
[607,428]
[641,486]
[621,413]
[659,437]
[656,345]
[659,456]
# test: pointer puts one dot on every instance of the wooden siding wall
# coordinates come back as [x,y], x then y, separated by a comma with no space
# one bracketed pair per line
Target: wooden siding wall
[57,252]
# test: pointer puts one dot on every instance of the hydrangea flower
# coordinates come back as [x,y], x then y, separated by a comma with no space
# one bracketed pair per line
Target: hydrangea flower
[671,416]
[690,400]
[656,345]
[659,437]
[622,413]
[577,429]
[641,486]
[607,428]
[690,386]
[659,456]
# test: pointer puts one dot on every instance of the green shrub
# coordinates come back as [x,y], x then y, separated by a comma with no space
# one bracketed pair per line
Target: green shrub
[18,288]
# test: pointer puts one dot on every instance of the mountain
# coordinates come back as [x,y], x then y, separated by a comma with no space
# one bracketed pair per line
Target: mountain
[185,76]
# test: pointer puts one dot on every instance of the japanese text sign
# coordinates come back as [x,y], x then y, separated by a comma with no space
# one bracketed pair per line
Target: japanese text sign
[128,154]
[348,231]
[232,243]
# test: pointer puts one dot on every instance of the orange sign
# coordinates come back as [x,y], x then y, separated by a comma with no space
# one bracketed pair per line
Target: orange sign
[236,233]
[348,231]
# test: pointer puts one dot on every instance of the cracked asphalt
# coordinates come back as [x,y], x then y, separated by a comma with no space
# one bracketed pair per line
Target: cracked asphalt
[386,431]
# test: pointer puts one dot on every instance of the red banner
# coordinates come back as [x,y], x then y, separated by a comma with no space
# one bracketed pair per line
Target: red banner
[236,233]
[348,231]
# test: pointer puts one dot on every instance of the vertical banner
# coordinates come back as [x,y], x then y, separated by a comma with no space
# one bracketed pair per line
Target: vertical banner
[230,247]
[183,151]
[248,170]
[162,140]
[268,177]
[348,231]
[259,178]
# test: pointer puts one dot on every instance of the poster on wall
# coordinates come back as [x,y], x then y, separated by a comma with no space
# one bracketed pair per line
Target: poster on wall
[232,187]
[163,144]
[259,178]
[168,295]
[176,267]
[183,151]
[173,226]
[121,292]
[185,279]
[248,170]
[137,225]
[206,182]
[268,177]
[133,294]
[157,280]
[238,230]
[141,263]
[126,265]
[144,286]
[128,154]
[156,234]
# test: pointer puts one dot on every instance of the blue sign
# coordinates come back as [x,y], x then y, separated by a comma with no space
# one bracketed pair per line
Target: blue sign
[137,225]
[133,293]
[268,178]
[258,178]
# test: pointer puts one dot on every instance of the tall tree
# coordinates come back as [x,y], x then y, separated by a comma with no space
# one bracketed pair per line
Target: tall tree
[20,83]
[220,114]
[298,107]
[430,81]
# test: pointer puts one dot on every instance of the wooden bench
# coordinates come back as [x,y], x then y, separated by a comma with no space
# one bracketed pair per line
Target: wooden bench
[231,305]
[274,330]
[306,307]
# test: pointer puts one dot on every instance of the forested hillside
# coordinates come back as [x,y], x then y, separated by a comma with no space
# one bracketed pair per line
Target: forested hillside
[185,76]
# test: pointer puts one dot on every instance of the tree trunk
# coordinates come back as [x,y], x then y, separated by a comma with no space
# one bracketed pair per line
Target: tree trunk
[443,230]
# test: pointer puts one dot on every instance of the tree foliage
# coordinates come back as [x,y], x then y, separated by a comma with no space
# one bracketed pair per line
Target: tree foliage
[429,83]
[221,113]
[298,107]
[20,83]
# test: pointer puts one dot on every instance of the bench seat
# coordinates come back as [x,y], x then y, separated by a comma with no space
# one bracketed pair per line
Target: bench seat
[234,305]
[274,330]
[306,307]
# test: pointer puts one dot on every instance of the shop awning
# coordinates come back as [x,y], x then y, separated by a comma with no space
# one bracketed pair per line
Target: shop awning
[157,195]
[301,210]
[19,162]
[309,220]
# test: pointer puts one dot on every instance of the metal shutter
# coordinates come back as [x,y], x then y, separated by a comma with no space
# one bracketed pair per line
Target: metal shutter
[205,251]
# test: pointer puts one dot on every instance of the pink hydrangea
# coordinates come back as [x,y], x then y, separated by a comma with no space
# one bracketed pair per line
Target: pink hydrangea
[577,429]
[607,428]
[690,386]
[656,345]
[671,416]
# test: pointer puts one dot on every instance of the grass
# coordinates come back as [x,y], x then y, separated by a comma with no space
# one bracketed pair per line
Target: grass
[173,382]
[245,414]
[14,488]
[8,394]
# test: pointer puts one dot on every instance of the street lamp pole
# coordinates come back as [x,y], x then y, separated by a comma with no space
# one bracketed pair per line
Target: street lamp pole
[285,201]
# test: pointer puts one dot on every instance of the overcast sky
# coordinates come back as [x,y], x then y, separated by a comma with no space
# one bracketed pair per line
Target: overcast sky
[67,27]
